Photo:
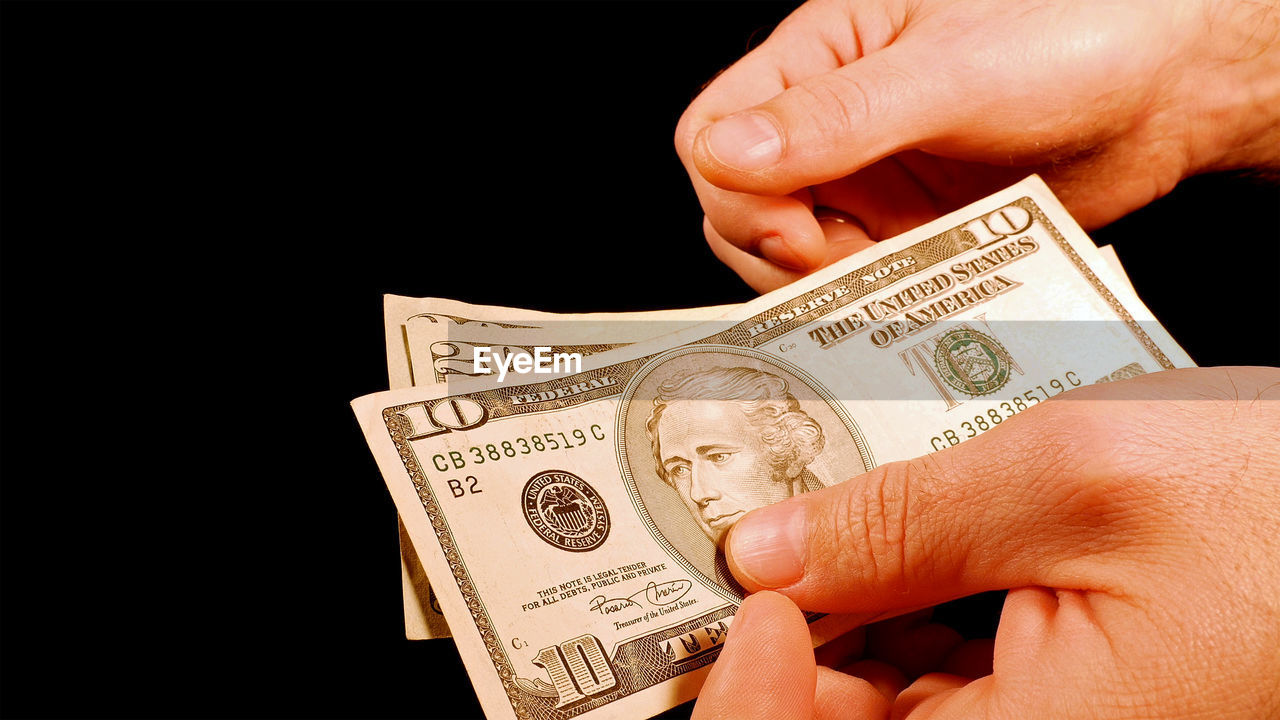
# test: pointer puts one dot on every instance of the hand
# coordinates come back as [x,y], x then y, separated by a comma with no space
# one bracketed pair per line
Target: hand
[1134,523]
[856,121]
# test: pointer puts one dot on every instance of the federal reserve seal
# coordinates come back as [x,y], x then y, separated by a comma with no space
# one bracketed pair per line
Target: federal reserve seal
[565,511]
[973,363]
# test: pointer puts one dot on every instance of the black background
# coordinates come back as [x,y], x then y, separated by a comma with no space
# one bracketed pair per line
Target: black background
[203,205]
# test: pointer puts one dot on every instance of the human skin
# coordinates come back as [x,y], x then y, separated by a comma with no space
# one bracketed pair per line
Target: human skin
[717,462]
[859,120]
[1133,523]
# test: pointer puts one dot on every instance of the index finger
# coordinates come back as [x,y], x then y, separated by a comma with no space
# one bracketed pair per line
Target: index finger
[766,669]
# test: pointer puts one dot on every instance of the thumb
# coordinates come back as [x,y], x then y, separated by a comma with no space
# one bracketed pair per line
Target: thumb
[1013,507]
[829,125]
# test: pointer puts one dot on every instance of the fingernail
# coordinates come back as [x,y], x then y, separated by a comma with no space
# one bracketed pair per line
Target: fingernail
[822,214]
[749,141]
[776,250]
[766,547]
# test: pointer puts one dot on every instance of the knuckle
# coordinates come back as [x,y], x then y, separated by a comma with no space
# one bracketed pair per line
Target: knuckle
[1121,462]
[877,527]
[1077,427]
[1090,481]
[1062,433]
[847,101]
[1083,446]
[831,104]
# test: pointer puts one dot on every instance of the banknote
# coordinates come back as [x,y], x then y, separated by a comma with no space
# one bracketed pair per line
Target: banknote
[572,523]
[430,340]
[420,352]
[440,350]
